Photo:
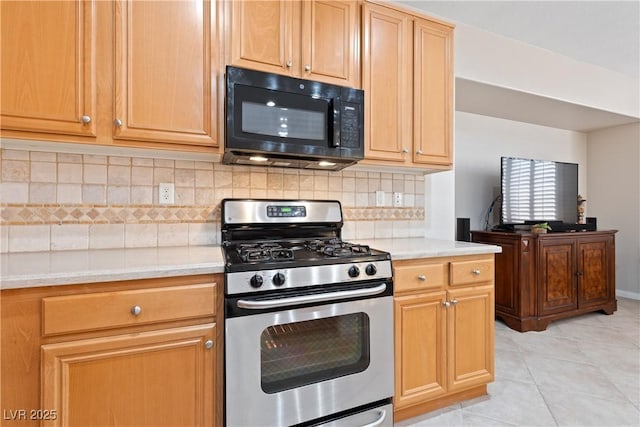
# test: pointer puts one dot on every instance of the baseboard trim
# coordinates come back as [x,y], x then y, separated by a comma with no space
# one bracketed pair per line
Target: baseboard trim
[627,294]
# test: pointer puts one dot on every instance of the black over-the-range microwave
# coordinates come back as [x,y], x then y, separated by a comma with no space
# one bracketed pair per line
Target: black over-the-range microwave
[274,120]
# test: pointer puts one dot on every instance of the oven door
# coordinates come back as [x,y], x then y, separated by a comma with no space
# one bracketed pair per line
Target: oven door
[297,364]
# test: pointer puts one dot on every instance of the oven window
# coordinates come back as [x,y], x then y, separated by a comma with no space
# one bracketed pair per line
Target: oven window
[301,353]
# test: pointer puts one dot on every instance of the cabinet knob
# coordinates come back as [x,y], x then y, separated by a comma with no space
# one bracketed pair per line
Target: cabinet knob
[419,152]
[475,272]
[117,122]
[289,64]
[422,277]
[405,150]
[446,304]
[454,301]
[208,344]
[307,68]
[86,119]
[136,310]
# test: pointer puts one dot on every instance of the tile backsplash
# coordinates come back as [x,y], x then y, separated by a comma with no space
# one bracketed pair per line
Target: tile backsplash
[60,201]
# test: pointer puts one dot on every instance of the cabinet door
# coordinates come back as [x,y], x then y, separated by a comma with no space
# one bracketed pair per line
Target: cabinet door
[166,71]
[148,379]
[330,41]
[556,276]
[432,93]
[470,337]
[48,55]
[594,272]
[387,82]
[420,333]
[265,35]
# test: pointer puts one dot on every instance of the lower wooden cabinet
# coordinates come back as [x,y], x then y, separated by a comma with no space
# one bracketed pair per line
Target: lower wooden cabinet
[444,332]
[545,277]
[163,377]
[143,353]
[421,348]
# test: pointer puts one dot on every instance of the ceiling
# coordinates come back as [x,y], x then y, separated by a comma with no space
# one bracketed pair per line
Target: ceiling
[601,33]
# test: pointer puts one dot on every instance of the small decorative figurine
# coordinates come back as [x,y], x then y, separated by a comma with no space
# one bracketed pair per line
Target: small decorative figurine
[541,228]
[581,201]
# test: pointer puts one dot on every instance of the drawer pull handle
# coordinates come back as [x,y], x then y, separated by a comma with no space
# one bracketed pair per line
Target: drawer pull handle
[208,344]
[454,301]
[446,304]
[422,277]
[475,272]
[136,310]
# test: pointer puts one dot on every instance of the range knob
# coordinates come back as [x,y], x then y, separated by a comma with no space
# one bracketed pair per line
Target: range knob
[370,270]
[353,271]
[256,281]
[278,279]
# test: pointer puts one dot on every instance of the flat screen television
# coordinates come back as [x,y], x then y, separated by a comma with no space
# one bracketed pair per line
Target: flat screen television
[535,191]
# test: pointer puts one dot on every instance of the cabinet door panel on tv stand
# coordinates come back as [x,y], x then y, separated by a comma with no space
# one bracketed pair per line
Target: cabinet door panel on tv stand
[529,295]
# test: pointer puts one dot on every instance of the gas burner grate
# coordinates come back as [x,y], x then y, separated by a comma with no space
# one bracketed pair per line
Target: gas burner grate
[337,248]
[264,252]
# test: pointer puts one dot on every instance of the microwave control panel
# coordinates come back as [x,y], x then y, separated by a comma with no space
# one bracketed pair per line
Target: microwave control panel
[349,129]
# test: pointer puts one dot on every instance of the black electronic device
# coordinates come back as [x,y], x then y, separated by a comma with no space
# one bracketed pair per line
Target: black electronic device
[463,229]
[536,191]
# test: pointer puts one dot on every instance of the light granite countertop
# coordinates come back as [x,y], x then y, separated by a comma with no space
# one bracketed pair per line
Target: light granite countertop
[419,247]
[32,269]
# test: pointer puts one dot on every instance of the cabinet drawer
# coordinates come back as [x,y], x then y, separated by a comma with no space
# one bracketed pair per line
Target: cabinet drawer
[103,310]
[427,276]
[468,272]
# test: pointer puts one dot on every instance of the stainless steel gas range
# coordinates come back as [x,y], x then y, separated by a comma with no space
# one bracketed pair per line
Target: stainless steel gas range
[309,318]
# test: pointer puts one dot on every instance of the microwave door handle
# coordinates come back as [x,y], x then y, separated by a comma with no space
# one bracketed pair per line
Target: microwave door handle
[335,107]
[306,299]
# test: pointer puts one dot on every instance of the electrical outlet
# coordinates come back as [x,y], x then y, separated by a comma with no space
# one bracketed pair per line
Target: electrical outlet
[166,193]
[397,200]
[379,198]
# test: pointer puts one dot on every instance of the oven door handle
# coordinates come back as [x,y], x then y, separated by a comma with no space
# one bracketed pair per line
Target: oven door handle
[306,299]
[382,415]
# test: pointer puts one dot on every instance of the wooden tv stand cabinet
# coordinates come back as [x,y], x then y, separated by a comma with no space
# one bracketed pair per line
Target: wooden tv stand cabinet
[545,277]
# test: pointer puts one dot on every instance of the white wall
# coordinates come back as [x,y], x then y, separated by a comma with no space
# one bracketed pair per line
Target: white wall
[493,59]
[439,212]
[614,197]
[482,140]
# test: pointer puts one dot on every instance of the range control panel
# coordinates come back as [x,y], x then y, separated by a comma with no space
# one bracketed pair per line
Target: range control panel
[274,211]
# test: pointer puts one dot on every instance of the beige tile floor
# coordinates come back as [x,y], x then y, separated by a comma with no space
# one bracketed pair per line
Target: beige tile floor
[583,371]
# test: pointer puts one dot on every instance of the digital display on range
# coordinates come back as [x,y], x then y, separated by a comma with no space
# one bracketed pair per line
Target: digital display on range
[286,211]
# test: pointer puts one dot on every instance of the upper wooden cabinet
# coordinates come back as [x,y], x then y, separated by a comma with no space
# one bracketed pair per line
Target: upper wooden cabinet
[165,84]
[314,39]
[432,93]
[408,78]
[133,73]
[387,82]
[48,73]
